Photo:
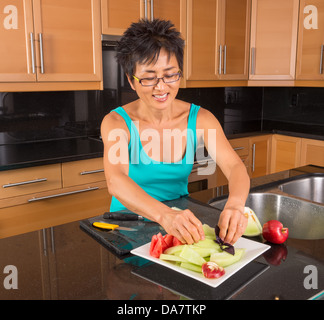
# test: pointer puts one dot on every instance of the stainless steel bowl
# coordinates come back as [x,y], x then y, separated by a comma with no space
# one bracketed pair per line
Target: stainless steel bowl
[304,219]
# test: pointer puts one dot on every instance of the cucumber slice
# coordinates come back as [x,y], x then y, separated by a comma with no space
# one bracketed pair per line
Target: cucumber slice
[254,227]
[192,256]
[224,259]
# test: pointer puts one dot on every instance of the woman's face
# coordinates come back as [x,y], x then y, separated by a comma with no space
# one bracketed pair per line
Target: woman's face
[161,95]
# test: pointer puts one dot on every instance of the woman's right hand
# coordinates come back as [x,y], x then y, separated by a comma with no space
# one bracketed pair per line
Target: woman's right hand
[183,225]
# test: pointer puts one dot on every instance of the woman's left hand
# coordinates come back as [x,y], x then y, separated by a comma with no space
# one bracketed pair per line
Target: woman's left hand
[232,223]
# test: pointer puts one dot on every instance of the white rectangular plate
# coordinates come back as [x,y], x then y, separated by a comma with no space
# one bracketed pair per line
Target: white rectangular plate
[252,250]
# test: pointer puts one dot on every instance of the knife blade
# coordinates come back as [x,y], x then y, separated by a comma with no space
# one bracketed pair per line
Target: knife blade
[122,216]
[109,226]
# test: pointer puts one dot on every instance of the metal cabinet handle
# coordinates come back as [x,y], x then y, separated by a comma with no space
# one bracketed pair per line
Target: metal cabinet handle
[225,59]
[321,61]
[32,50]
[252,60]
[9,185]
[44,242]
[41,52]
[238,148]
[152,10]
[83,173]
[145,8]
[220,60]
[62,194]
[253,157]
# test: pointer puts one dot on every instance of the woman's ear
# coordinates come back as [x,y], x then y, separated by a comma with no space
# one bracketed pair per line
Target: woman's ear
[130,82]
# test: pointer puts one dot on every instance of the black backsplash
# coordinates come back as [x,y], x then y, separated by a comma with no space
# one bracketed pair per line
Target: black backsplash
[38,116]
[294,109]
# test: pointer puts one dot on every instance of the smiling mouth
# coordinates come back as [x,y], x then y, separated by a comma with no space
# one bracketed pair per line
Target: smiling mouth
[162,97]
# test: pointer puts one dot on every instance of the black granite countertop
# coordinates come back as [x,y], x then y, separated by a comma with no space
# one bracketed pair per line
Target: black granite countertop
[64,262]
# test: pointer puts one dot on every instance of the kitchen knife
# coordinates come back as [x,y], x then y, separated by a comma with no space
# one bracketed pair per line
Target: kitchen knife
[109,226]
[122,216]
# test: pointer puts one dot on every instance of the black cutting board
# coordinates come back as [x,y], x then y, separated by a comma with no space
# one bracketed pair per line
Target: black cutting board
[122,242]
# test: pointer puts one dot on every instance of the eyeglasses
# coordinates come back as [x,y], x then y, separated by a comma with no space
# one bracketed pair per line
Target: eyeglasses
[150,82]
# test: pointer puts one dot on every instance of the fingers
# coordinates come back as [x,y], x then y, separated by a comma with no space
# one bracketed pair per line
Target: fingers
[232,224]
[187,228]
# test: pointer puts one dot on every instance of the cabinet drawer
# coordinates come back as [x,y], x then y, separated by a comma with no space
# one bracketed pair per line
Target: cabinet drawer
[30,180]
[82,172]
[241,146]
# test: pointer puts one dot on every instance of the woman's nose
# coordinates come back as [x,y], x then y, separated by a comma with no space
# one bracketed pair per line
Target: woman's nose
[160,85]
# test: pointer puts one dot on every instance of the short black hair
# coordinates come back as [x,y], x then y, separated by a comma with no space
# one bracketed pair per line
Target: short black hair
[143,41]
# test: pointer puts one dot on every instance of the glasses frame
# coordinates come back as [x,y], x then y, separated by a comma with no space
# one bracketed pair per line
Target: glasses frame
[179,73]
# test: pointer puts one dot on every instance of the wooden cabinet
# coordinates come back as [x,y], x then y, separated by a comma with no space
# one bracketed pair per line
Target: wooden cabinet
[82,172]
[30,180]
[273,39]
[43,183]
[117,15]
[312,152]
[16,54]
[260,149]
[285,152]
[310,40]
[55,42]
[217,39]
[234,39]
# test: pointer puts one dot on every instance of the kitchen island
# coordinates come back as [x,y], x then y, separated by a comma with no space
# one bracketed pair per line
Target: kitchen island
[65,262]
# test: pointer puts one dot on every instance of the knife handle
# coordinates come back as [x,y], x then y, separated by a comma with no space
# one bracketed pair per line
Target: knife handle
[122,216]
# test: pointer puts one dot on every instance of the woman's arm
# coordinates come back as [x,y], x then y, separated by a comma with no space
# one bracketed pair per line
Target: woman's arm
[232,221]
[182,224]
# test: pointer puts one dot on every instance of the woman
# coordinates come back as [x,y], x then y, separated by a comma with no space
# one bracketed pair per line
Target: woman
[149,144]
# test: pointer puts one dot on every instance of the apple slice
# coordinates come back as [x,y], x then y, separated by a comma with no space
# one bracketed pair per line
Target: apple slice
[254,227]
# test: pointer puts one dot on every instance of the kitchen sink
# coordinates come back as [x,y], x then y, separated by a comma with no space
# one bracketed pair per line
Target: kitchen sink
[310,188]
[304,219]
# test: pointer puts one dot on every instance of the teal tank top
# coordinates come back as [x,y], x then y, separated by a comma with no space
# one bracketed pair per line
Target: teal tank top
[161,180]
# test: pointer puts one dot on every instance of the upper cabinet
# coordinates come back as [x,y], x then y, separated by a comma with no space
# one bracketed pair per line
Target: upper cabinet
[16,56]
[117,15]
[217,39]
[310,40]
[274,25]
[51,41]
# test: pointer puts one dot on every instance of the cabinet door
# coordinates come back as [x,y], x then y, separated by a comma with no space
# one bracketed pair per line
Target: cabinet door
[312,152]
[117,15]
[273,39]
[68,35]
[285,153]
[16,59]
[202,39]
[310,40]
[260,156]
[235,35]
[173,10]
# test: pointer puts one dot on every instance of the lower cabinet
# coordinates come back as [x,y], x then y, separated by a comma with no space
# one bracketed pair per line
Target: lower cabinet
[285,152]
[312,152]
